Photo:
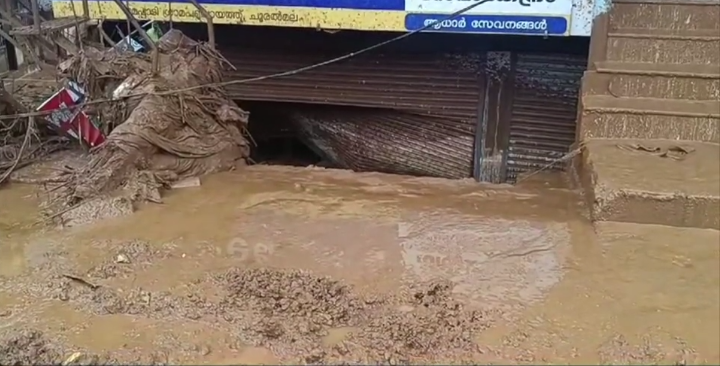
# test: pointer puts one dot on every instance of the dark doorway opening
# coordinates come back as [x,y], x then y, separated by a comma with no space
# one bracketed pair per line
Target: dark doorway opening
[277,141]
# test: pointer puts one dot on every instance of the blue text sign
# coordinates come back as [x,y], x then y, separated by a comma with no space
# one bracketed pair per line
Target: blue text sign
[502,24]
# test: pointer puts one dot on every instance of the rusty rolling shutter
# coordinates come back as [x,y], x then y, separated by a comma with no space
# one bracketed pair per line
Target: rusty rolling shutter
[544,110]
[425,83]
[420,109]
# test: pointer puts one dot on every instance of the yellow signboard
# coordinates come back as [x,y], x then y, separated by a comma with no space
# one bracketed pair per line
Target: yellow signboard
[377,20]
[536,17]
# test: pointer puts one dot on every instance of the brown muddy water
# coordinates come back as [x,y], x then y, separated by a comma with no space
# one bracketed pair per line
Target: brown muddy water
[269,265]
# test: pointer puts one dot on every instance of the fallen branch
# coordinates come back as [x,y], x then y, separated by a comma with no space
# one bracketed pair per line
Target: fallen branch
[81,281]
[26,141]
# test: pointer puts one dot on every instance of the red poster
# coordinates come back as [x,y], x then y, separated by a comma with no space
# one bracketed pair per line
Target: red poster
[87,130]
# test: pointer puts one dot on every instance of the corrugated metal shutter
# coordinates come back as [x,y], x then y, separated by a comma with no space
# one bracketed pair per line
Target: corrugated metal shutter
[544,110]
[424,106]
[421,83]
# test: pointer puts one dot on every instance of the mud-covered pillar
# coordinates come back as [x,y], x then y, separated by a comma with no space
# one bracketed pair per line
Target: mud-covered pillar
[599,32]
[598,41]
[597,53]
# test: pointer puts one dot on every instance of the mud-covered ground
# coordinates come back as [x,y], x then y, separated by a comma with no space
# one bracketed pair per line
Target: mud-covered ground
[290,265]
[290,313]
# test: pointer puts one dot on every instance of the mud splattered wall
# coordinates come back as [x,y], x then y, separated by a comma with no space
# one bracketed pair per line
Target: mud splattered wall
[412,109]
[654,72]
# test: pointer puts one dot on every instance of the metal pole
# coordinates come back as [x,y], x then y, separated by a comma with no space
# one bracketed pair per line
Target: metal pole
[145,37]
[36,15]
[209,20]
[37,25]
[149,22]
[86,9]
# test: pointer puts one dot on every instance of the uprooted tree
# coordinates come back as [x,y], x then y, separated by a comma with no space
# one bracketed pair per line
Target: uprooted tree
[174,124]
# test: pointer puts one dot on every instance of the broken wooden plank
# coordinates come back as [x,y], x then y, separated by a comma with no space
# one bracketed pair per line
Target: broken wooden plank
[50,26]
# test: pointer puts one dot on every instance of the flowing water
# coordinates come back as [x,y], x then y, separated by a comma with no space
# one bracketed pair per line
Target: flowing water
[550,287]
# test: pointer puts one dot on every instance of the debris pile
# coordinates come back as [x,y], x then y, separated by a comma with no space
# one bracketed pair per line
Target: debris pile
[166,125]
[146,121]
[23,142]
[653,349]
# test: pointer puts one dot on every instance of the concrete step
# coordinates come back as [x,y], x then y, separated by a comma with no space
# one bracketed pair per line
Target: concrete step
[651,181]
[664,47]
[649,118]
[679,17]
[643,80]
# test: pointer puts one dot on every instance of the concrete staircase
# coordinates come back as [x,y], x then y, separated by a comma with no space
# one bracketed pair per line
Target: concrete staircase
[649,117]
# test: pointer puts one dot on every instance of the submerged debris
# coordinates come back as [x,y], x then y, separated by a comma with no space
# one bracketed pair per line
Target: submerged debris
[175,125]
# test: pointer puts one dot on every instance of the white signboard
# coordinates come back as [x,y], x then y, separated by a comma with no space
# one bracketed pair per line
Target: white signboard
[509,7]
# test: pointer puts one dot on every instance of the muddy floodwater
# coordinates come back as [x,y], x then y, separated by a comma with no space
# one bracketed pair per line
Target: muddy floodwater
[298,265]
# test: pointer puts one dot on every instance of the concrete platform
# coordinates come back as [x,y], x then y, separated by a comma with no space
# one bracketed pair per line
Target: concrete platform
[649,182]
